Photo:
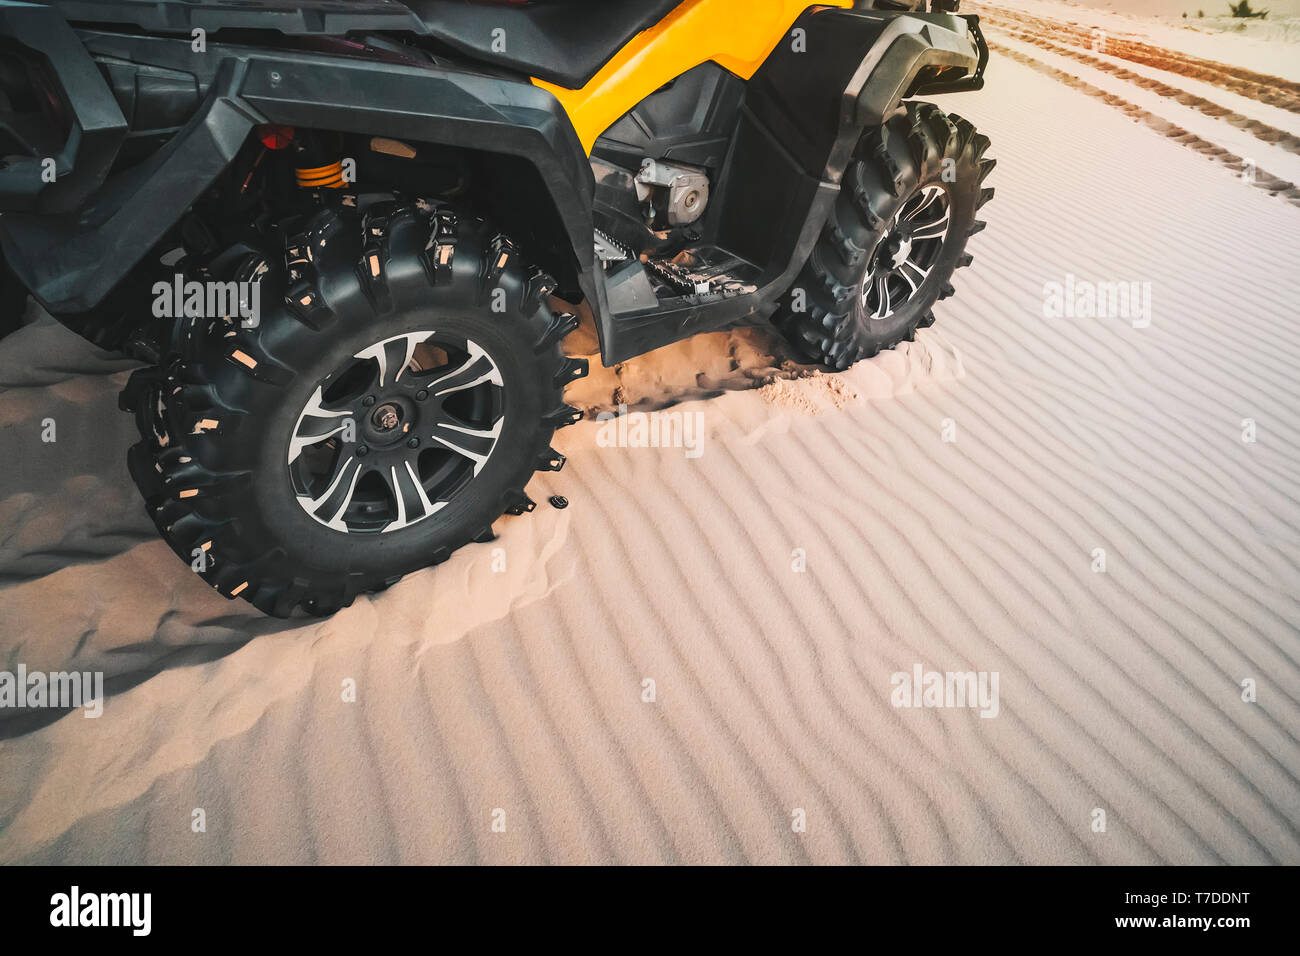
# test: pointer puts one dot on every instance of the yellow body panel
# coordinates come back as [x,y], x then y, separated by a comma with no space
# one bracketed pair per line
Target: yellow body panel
[737,35]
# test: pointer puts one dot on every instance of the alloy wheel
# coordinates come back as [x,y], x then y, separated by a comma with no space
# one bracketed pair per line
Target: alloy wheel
[393,435]
[908,251]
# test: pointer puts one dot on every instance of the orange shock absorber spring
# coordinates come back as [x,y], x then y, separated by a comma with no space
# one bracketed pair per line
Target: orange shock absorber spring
[329,176]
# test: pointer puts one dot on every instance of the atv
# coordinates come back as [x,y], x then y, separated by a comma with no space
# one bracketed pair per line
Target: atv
[348,239]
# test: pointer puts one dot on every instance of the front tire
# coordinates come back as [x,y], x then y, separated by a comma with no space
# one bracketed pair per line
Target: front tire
[898,231]
[401,385]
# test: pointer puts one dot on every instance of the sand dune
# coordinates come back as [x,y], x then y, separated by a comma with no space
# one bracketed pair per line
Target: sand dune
[523,690]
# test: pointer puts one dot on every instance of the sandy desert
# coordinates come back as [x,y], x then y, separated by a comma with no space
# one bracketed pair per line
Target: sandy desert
[699,649]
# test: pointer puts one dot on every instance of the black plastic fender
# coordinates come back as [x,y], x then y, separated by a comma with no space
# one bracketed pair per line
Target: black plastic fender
[907,46]
[96,124]
[866,64]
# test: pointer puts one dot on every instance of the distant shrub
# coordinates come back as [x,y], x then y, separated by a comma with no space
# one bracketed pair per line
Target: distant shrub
[1243,10]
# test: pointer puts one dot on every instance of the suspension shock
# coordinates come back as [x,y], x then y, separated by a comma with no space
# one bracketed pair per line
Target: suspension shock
[317,161]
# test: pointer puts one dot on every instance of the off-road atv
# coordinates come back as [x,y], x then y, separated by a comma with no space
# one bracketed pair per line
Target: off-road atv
[349,239]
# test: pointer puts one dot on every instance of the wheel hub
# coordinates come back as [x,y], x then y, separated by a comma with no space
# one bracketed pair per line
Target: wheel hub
[392,418]
[893,250]
[386,417]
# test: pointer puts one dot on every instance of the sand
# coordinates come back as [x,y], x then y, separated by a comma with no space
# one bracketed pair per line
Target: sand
[825,537]
[1277,9]
[1267,46]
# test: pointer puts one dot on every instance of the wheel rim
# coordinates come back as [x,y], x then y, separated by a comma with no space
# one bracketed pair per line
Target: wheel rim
[394,434]
[908,251]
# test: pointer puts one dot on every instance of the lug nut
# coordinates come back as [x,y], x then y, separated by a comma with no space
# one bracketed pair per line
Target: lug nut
[413,443]
[368,401]
[421,395]
[362,450]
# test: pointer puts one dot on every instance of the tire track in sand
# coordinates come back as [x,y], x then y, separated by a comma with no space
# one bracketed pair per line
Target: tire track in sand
[1273,90]
[1262,179]
[1260,130]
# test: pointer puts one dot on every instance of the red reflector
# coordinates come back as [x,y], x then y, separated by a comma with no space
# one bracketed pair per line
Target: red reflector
[275,137]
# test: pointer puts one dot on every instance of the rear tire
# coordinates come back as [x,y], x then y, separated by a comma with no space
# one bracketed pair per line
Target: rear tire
[867,284]
[356,315]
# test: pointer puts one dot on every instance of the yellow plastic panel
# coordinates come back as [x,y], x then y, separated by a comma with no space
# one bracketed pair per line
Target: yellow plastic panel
[738,35]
